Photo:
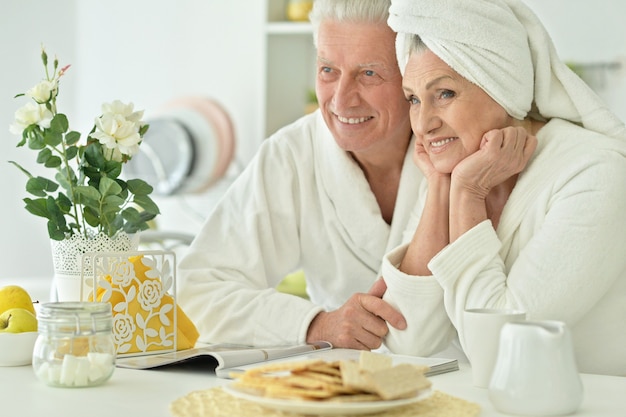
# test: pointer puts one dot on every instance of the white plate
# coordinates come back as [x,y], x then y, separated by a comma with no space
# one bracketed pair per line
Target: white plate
[323,408]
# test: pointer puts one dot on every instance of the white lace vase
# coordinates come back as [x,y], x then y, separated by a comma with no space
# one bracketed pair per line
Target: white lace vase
[70,274]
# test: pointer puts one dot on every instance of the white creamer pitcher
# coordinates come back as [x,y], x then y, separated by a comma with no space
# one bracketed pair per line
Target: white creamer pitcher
[535,372]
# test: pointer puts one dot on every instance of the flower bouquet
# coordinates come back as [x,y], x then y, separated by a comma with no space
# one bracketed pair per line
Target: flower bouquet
[89,207]
[87,195]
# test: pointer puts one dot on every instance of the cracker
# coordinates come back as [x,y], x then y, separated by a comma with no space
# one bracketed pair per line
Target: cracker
[400,381]
[372,362]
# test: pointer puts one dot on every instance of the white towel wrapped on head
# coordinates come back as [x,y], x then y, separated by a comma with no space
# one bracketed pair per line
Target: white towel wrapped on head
[501,46]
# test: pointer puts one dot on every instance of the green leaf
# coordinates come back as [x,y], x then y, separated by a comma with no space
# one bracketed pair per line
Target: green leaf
[112,204]
[52,138]
[55,214]
[143,129]
[59,123]
[72,137]
[137,226]
[40,186]
[24,138]
[43,155]
[64,181]
[131,214]
[36,207]
[53,232]
[93,155]
[146,203]
[71,152]
[93,174]
[35,137]
[53,162]
[92,216]
[109,187]
[139,187]
[113,169]
[115,225]
[88,192]
[21,168]
[64,203]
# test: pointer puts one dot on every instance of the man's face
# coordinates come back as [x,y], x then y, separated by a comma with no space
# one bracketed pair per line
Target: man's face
[359,86]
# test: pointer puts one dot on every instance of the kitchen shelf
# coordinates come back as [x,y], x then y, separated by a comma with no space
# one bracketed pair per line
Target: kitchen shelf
[289,28]
[289,70]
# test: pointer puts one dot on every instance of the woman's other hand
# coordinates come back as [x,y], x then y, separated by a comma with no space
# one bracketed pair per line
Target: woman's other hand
[503,153]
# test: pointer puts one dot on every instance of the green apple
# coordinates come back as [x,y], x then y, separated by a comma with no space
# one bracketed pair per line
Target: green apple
[18,320]
[14,296]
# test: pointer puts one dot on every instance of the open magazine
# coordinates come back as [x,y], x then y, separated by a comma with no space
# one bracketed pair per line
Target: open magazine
[224,359]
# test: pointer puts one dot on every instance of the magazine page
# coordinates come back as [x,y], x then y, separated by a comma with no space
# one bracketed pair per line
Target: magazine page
[219,356]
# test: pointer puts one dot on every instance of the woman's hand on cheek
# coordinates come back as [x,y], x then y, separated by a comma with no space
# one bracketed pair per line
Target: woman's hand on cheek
[502,154]
[423,162]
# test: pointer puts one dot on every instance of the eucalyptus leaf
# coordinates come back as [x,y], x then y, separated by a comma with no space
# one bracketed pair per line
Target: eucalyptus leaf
[109,187]
[40,186]
[112,203]
[53,162]
[36,207]
[139,187]
[72,137]
[59,123]
[71,152]
[88,192]
[52,138]
[43,155]
[146,203]
[35,139]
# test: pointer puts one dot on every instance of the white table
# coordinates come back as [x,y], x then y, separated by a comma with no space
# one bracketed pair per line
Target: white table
[149,393]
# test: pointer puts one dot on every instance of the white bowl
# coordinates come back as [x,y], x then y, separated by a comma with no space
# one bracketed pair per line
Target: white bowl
[16,349]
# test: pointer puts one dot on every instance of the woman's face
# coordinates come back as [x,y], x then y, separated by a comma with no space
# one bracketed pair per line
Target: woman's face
[359,87]
[449,114]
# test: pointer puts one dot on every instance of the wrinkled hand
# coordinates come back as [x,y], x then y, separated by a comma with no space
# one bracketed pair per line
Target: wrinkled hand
[422,160]
[502,154]
[361,323]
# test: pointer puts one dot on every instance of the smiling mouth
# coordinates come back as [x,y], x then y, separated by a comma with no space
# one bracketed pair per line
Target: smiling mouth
[353,120]
[442,142]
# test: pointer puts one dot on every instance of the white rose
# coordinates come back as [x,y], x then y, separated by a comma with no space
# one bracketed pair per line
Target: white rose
[44,91]
[126,110]
[31,114]
[117,134]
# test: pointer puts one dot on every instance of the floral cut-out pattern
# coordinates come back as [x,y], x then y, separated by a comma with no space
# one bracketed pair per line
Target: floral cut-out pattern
[140,287]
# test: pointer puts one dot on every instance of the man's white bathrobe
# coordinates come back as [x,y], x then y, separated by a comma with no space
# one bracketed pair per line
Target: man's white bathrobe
[559,253]
[301,203]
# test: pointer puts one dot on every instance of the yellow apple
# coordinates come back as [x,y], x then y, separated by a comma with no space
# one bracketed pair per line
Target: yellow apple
[14,296]
[17,320]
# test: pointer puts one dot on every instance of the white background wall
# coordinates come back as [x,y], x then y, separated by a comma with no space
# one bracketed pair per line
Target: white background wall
[150,51]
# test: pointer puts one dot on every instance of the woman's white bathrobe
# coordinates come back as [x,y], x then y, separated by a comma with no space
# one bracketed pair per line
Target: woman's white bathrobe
[559,253]
[301,203]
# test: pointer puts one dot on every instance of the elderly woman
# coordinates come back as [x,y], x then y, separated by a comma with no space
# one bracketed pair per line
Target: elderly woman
[524,202]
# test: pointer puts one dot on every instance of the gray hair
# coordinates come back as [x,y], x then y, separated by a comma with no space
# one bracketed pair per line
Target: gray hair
[408,44]
[368,11]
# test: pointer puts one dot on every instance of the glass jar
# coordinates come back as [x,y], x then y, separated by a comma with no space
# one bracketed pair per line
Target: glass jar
[75,346]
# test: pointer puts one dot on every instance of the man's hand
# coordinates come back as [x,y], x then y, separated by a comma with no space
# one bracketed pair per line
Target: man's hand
[361,323]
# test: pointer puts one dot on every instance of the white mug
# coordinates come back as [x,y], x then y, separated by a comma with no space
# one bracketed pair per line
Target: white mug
[481,329]
[536,372]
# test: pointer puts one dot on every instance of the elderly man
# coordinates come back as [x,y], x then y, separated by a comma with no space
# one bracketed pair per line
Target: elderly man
[328,194]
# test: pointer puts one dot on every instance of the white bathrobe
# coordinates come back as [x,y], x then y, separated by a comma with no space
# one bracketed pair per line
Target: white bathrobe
[301,203]
[559,253]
